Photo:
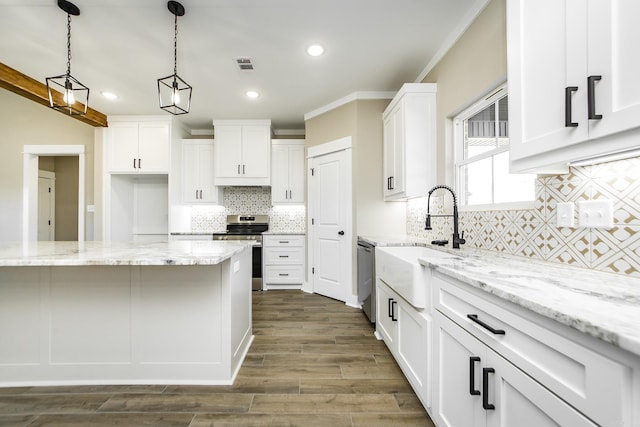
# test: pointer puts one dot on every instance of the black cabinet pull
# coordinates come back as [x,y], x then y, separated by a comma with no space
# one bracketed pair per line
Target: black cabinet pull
[485,389]
[591,95]
[341,232]
[238,169]
[134,163]
[568,92]
[472,375]
[474,318]
[389,183]
[283,274]
[284,256]
[389,304]
[391,179]
[393,311]
[243,167]
[139,163]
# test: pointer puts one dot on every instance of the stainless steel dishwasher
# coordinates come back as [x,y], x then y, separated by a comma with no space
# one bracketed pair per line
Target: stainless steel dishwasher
[366,279]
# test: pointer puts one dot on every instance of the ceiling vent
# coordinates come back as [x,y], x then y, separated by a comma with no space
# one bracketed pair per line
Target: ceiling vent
[244,63]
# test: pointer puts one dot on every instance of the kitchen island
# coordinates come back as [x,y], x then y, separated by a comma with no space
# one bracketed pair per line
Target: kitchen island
[124,313]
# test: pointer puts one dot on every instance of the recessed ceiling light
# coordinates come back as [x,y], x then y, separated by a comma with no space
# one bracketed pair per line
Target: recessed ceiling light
[315,50]
[109,95]
[252,94]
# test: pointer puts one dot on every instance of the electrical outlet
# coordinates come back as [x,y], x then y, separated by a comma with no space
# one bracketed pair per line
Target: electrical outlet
[565,214]
[596,213]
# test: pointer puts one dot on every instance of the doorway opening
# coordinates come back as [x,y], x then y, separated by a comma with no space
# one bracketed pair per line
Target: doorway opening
[32,155]
[63,195]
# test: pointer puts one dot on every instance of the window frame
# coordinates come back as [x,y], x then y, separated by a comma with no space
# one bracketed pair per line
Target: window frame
[458,152]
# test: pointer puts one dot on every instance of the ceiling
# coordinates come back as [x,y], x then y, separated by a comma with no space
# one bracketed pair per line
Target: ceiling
[124,46]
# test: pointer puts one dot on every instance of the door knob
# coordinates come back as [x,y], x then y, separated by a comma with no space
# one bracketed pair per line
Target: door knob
[341,233]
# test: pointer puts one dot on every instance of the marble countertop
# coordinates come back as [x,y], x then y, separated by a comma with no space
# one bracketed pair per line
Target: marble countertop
[194,233]
[183,252]
[393,240]
[603,305]
[284,233]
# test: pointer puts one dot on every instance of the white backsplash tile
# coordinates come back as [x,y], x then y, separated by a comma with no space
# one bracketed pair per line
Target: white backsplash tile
[248,200]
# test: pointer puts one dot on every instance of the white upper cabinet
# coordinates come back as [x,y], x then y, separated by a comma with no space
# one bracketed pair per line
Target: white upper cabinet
[287,171]
[573,86]
[410,142]
[197,173]
[138,144]
[242,152]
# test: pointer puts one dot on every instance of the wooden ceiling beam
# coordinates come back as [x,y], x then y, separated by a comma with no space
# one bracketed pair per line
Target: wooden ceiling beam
[23,85]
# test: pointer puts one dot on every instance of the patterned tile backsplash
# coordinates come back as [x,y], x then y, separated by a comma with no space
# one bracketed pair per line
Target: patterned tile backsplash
[248,200]
[534,233]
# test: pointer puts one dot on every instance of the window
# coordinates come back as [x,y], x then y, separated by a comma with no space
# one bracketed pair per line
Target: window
[482,156]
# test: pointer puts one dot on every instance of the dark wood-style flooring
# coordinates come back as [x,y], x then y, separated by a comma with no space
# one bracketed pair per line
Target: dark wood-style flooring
[314,362]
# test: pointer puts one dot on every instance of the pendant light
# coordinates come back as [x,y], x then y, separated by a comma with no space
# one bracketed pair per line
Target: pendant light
[174,93]
[74,99]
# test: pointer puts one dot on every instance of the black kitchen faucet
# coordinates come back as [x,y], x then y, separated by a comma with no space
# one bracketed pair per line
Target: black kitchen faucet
[457,239]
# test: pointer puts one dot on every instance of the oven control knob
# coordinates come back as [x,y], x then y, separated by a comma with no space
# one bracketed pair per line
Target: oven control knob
[341,233]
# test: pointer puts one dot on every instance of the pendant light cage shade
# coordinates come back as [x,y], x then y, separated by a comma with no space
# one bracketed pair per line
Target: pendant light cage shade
[65,92]
[174,94]
[68,95]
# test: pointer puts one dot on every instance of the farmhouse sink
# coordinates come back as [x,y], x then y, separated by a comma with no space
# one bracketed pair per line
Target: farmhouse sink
[398,267]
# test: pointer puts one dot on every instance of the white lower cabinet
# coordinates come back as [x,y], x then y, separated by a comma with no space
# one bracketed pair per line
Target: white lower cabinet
[283,261]
[497,364]
[406,331]
[477,387]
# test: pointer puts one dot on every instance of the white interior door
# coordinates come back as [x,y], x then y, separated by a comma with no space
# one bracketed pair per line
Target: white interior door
[46,205]
[331,235]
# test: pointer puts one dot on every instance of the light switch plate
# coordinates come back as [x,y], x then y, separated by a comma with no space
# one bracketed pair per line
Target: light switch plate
[596,213]
[565,214]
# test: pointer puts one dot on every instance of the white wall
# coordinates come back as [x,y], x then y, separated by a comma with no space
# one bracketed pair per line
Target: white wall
[23,122]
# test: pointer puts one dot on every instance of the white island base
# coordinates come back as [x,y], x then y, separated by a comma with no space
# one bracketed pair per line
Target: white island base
[125,324]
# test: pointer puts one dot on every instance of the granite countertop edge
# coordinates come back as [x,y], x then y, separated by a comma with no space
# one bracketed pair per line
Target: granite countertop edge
[74,254]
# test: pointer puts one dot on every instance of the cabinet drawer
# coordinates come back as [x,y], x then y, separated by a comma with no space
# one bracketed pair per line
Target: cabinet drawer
[282,256]
[283,274]
[596,385]
[274,240]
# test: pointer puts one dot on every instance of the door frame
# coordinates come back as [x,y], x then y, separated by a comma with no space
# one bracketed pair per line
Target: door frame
[349,272]
[30,185]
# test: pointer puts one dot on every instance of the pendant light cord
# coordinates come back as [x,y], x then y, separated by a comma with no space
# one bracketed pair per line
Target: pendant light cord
[68,44]
[175,47]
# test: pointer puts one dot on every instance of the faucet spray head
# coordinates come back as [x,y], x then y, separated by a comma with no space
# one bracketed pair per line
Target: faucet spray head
[427,225]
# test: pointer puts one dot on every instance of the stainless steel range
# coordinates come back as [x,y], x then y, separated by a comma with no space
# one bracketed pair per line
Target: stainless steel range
[248,227]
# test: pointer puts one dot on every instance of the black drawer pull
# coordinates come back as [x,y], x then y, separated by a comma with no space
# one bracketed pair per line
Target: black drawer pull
[284,256]
[472,375]
[591,97]
[283,274]
[485,389]
[474,318]
[283,241]
[393,311]
[568,91]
